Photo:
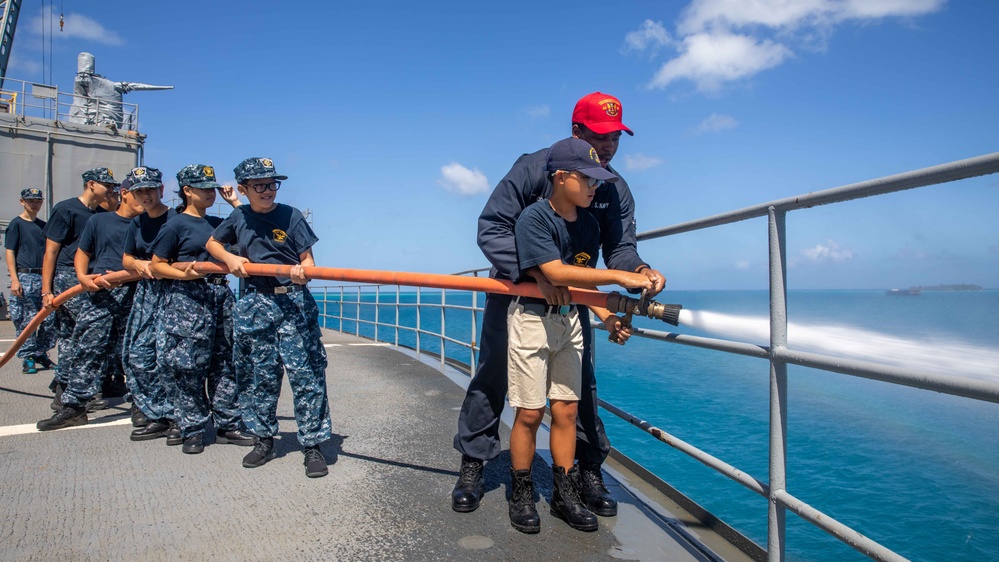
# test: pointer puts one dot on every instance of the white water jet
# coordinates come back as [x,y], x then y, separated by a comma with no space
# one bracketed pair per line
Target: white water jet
[940,355]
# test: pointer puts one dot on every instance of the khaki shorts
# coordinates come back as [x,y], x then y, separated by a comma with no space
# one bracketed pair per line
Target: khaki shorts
[545,356]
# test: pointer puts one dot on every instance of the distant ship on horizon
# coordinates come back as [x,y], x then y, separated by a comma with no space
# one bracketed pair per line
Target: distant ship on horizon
[912,292]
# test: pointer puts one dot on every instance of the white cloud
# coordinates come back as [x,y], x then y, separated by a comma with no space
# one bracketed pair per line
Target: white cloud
[829,252]
[788,15]
[724,41]
[715,122]
[539,111]
[651,36]
[742,265]
[711,60]
[641,162]
[463,181]
[77,26]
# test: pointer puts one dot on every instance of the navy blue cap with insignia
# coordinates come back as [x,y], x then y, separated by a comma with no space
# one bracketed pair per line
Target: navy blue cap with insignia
[31,193]
[143,177]
[100,175]
[576,155]
[198,176]
[255,169]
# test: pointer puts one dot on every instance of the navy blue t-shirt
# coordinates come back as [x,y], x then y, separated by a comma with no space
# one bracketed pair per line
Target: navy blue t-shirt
[543,236]
[27,242]
[142,233]
[183,238]
[103,238]
[65,225]
[277,237]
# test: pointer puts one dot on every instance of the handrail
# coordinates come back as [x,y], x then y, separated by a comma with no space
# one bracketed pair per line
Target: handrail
[777,353]
[57,106]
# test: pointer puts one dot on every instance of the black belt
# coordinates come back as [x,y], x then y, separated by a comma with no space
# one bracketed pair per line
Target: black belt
[215,279]
[29,270]
[542,308]
[276,290]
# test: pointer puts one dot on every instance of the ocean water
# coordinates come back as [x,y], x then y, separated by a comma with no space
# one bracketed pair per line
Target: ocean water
[915,470]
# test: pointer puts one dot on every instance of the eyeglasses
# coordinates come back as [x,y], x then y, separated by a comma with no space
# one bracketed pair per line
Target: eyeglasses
[263,187]
[590,182]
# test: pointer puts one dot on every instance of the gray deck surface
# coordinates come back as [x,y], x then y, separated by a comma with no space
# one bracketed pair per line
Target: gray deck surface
[89,493]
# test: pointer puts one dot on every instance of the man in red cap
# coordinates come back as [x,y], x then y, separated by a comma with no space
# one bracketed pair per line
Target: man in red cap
[597,120]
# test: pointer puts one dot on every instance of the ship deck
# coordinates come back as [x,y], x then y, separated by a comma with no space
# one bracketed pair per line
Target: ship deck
[88,493]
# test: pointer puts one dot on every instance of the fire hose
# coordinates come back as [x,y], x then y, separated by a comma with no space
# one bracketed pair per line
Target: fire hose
[613,301]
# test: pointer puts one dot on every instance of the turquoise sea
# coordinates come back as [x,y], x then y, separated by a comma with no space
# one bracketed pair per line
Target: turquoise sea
[915,470]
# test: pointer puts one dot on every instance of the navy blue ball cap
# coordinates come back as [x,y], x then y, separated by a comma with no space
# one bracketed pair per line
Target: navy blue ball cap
[31,193]
[198,176]
[143,177]
[256,168]
[100,175]
[576,155]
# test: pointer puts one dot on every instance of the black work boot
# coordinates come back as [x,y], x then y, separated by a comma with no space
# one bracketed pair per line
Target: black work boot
[234,437]
[152,430]
[67,416]
[97,403]
[523,514]
[262,452]
[173,434]
[44,361]
[57,388]
[566,503]
[469,487]
[193,444]
[595,494]
[315,462]
[139,419]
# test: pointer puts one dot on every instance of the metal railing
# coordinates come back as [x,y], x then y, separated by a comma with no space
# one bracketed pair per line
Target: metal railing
[27,99]
[777,353]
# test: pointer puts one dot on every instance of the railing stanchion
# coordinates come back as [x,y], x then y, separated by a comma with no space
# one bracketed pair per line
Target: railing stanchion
[776,515]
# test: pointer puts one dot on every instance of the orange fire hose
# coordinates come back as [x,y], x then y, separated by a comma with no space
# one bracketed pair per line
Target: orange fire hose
[614,301]
[115,277]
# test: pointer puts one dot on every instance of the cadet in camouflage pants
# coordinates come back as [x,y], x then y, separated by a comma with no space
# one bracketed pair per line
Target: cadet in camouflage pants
[96,337]
[151,392]
[274,330]
[24,308]
[66,318]
[194,340]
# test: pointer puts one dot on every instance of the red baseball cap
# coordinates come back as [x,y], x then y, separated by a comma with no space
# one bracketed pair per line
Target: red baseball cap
[601,113]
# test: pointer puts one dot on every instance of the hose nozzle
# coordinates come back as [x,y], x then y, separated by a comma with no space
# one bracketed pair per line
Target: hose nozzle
[668,313]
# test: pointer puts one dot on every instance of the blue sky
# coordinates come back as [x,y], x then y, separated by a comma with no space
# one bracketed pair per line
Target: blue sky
[395,119]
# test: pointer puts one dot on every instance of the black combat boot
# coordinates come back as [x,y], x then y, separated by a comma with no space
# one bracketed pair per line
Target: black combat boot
[234,437]
[173,434]
[139,419]
[97,402]
[469,487]
[262,452]
[57,388]
[67,416]
[523,514]
[193,444]
[152,430]
[595,494]
[566,503]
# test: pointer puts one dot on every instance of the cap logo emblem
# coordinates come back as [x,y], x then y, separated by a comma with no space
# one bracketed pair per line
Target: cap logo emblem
[267,162]
[610,107]
[209,172]
[279,235]
[139,172]
[581,259]
[593,155]
[110,173]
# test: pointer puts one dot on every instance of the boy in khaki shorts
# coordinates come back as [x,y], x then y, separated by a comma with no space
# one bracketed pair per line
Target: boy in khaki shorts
[561,239]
